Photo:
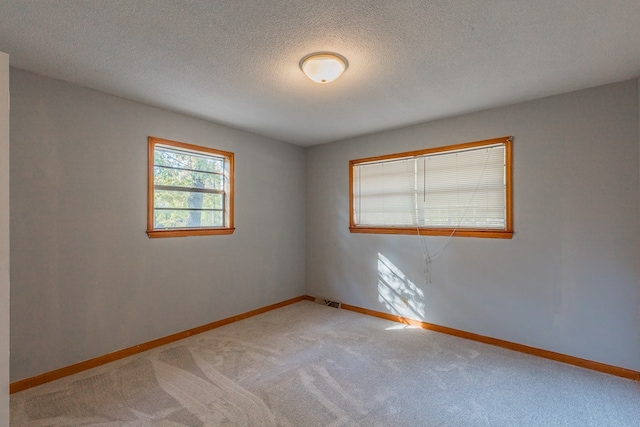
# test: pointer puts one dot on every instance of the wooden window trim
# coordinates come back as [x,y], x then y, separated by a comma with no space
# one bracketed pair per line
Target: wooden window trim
[184,232]
[507,233]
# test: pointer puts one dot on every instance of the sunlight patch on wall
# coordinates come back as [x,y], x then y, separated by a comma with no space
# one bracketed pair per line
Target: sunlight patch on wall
[397,293]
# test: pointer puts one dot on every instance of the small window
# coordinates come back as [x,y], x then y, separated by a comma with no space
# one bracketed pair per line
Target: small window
[190,190]
[461,190]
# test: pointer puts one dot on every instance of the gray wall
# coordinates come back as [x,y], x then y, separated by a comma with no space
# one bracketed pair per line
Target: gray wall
[4,239]
[86,279]
[568,281]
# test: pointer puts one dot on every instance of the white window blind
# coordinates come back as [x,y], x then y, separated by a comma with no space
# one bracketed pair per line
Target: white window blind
[457,189]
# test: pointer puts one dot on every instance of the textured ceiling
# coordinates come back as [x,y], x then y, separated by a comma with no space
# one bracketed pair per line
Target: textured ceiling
[236,62]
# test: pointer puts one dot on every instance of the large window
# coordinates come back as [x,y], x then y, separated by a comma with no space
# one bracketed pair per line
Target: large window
[190,190]
[461,190]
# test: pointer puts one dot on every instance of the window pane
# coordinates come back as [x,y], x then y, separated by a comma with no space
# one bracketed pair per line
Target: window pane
[185,160]
[186,178]
[187,219]
[187,200]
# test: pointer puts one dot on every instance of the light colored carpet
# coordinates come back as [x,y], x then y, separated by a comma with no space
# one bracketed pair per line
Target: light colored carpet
[310,365]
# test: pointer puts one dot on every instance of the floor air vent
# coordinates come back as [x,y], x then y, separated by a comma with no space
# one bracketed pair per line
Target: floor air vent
[328,302]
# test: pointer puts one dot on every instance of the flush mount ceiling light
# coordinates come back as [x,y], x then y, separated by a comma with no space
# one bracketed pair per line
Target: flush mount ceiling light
[323,67]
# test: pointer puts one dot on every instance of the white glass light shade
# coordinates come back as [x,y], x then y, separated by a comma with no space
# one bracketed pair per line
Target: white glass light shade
[323,67]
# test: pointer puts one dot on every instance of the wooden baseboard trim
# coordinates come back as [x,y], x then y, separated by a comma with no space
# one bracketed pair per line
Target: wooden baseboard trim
[116,355]
[559,357]
[111,357]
